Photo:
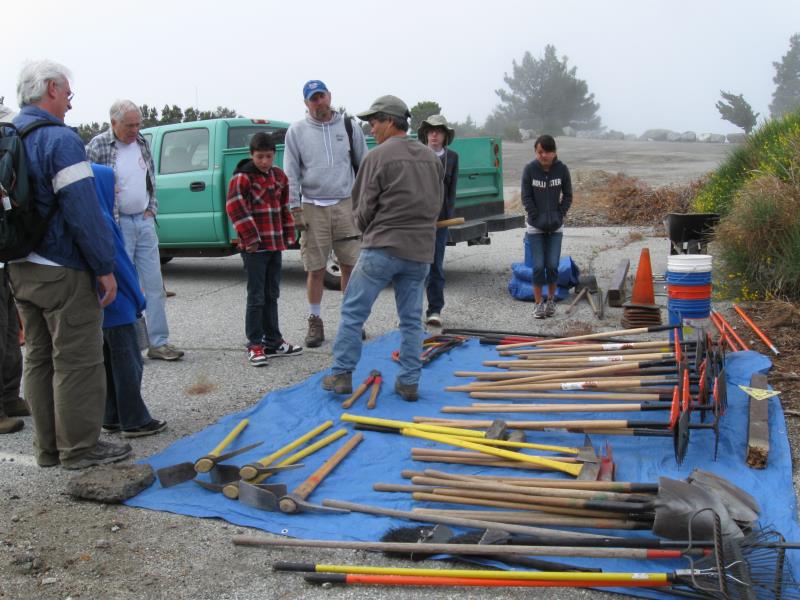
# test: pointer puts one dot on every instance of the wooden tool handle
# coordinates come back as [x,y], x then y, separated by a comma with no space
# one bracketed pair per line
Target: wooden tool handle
[206,463]
[268,460]
[447,222]
[308,486]
[373,397]
[297,456]
[572,304]
[359,390]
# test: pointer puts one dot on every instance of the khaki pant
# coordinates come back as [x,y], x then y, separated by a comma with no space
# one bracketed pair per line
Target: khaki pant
[64,377]
[326,226]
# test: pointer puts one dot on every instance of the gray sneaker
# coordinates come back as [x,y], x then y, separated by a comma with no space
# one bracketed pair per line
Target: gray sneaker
[165,352]
[540,311]
[407,391]
[340,383]
[103,454]
[550,308]
[316,332]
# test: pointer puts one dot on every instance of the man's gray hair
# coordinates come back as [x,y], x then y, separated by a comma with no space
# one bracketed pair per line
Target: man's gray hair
[122,107]
[34,77]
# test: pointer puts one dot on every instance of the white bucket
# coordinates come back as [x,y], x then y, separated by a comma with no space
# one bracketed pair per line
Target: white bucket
[689,263]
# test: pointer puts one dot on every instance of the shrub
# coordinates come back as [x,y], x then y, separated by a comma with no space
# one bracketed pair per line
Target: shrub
[759,240]
[630,201]
[766,151]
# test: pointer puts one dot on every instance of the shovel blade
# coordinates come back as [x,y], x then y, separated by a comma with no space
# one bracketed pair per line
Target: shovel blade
[175,474]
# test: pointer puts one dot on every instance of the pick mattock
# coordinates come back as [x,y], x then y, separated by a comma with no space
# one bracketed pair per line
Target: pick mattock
[232,489]
[296,501]
[175,474]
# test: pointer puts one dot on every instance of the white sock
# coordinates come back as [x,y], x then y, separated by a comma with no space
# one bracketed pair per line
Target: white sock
[314,309]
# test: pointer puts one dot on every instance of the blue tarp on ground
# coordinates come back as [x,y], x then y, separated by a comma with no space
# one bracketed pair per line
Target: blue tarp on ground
[284,415]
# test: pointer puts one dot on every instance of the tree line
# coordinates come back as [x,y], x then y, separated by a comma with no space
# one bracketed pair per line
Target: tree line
[168,115]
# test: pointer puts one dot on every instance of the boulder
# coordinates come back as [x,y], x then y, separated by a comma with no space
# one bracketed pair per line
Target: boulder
[568,131]
[688,136]
[673,136]
[631,137]
[736,138]
[612,134]
[717,138]
[703,137]
[111,484]
[655,135]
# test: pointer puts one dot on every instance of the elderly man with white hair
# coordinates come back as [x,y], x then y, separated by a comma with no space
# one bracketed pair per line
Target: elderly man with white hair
[62,286]
[125,150]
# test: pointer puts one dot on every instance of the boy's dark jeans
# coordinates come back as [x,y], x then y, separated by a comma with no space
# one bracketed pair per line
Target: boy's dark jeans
[263,288]
[435,284]
[123,362]
[546,252]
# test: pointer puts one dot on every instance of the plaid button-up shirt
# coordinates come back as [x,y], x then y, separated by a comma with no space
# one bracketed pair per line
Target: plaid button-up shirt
[102,149]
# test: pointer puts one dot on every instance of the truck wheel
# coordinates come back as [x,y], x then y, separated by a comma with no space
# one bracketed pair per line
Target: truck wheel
[333,275]
[165,259]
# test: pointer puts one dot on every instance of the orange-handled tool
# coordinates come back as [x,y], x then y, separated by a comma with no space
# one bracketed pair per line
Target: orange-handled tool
[756,329]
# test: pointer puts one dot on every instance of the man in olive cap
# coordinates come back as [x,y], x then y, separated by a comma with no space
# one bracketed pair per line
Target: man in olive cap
[396,200]
[438,135]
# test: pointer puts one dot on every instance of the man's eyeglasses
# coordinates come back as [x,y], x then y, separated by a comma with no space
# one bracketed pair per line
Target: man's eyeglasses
[70,96]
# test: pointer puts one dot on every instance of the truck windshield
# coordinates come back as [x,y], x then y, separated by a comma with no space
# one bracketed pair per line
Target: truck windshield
[239,137]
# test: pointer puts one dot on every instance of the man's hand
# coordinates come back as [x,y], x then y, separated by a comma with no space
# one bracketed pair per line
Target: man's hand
[252,247]
[148,214]
[107,285]
[299,219]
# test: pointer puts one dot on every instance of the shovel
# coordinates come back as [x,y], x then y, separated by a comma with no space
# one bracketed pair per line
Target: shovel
[175,474]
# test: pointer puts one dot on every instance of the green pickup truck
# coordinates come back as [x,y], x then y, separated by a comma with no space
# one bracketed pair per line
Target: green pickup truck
[194,162]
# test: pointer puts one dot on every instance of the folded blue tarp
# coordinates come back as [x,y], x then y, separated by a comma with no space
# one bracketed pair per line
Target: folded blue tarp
[284,415]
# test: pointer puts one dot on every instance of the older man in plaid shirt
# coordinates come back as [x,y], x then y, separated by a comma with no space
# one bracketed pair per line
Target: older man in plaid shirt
[258,206]
[124,149]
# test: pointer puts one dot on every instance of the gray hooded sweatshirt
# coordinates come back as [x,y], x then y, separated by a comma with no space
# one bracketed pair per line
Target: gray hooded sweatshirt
[317,160]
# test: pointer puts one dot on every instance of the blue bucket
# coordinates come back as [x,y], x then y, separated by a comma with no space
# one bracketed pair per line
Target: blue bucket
[676,278]
[690,309]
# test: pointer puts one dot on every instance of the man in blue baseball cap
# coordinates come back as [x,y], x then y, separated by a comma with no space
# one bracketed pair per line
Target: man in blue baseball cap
[321,158]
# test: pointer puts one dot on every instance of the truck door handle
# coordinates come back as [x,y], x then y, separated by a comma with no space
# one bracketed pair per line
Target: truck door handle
[472,176]
[197,186]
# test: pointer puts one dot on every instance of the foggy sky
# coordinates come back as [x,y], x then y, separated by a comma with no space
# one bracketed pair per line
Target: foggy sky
[649,63]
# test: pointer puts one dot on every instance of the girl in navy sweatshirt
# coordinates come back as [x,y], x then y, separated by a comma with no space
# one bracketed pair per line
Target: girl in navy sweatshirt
[547,196]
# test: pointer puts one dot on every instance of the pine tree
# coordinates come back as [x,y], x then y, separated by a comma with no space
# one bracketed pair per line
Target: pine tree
[786,96]
[737,110]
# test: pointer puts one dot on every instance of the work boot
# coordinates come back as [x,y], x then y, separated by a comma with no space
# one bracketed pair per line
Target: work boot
[10,424]
[407,391]
[316,332]
[340,383]
[103,454]
[17,408]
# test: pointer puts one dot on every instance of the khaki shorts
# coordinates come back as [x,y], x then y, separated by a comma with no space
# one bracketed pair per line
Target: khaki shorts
[324,225]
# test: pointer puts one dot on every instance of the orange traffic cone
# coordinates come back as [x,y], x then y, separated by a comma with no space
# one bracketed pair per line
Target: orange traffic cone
[643,293]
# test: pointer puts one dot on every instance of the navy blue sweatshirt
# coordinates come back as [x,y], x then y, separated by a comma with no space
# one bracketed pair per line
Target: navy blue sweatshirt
[546,195]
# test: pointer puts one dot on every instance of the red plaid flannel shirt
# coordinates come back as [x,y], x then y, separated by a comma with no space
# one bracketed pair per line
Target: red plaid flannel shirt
[258,207]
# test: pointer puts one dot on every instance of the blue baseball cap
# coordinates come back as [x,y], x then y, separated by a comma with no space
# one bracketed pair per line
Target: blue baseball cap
[312,87]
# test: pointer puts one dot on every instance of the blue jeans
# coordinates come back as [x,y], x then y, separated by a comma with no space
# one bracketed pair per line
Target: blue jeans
[123,361]
[374,270]
[435,285]
[263,288]
[141,244]
[546,253]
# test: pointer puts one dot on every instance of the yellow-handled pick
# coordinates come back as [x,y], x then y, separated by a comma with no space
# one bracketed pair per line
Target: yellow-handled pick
[406,424]
[250,471]
[572,469]
[531,445]
[205,464]
[232,489]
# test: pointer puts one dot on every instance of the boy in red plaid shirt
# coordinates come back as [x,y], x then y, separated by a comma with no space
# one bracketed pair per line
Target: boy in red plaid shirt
[258,207]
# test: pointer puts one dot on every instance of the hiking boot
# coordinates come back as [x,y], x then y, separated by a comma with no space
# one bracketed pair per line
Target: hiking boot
[316,332]
[549,308]
[340,383]
[103,454]
[151,428]
[111,428]
[165,352]
[256,356]
[540,312]
[17,408]
[407,391]
[285,349]
[47,459]
[434,320]
[10,425]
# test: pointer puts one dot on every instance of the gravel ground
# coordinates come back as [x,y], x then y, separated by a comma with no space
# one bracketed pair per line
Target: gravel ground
[53,547]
